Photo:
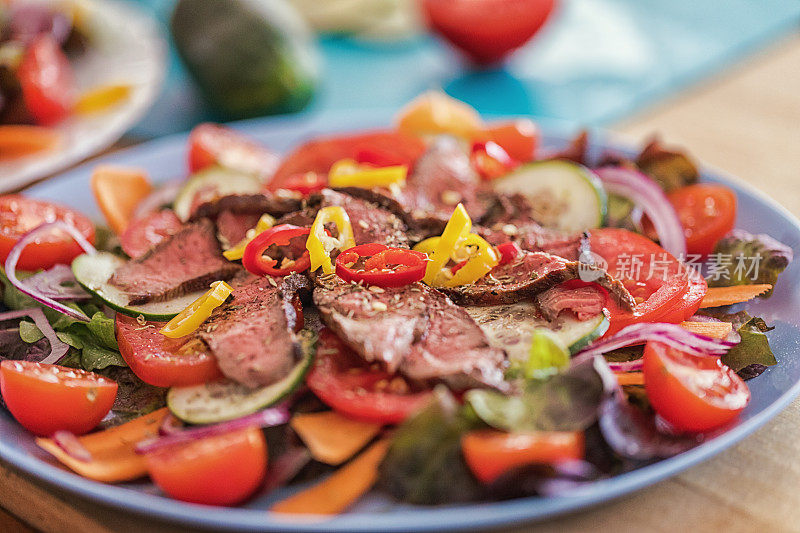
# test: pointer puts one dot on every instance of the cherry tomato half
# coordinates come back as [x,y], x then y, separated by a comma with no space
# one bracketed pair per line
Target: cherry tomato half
[219,470]
[519,138]
[707,212]
[692,393]
[47,82]
[490,453]
[213,144]
[655,278]
[159,360]
[19,215]
[347,384]
[50,398]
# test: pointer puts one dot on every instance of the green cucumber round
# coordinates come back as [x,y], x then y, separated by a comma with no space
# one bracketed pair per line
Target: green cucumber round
[215,182]
[92,271]
[565,196]
[578,334]
[226,400]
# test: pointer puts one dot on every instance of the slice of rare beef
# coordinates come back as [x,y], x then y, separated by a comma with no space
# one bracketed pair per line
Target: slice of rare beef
[414,330]
[233,227]
[253,204]
[530,274]
[584,302]
[252,334]
[370,222]
[187,261]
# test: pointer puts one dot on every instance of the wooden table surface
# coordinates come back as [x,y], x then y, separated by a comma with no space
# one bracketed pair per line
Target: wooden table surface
[746,122]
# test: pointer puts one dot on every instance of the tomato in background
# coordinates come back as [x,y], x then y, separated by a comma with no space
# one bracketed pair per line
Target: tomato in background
[218,470]
[159,360]
[319,155]
[487,30]
[47,81]
[519,138]
[50,398]
[214,144]
[707,212]
[692,393]
[19,215]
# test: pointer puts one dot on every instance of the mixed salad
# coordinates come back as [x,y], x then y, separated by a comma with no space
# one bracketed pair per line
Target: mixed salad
[443,311]
[40,45]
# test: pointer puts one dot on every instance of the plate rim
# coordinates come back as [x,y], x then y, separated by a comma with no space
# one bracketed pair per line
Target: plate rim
[475,516]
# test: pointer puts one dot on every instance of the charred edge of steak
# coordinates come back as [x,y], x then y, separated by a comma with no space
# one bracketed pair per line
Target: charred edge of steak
[248,204]
[514,282]
[134,283]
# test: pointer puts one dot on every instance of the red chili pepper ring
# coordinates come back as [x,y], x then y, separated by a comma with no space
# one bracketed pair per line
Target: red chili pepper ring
[257,263]
[380,265]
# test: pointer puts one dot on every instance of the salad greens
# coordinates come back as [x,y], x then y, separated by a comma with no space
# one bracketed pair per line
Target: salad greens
[768,256]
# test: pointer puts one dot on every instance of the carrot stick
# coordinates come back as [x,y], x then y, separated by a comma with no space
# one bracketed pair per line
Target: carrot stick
[332,438]
[337,492]
[118,191]
[630,378]
[19,140]
[112,450]
[717,296]
[715,330]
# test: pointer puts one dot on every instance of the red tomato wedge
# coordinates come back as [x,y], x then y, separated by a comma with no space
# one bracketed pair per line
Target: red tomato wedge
[488,30]
[319,155]
[692,393]
[159,360]
[655,278]
[707,212]
[50,398]
[490,453]
[519,138]
[214,144]
[19,215]
[144,233]
[347,384]
[218,470]
[47,81]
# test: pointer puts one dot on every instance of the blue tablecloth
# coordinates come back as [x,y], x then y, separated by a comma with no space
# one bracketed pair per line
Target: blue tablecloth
[595,62]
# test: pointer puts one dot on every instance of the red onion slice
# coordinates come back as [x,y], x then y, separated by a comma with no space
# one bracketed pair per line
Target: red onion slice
[72,446]
[58,349]
[626,366]
[30,237]
[52,284]
[670,334]
[273,416]
[648,195]
[170,425]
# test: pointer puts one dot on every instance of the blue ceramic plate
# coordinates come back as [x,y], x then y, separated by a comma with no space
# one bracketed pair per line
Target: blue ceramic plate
[165,159]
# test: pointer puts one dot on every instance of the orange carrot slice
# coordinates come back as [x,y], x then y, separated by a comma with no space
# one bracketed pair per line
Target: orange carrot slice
[337,492]
[18,140]
[630,378]
[118,191]
[333,438]
[715,330]
[717,296]
[113,455]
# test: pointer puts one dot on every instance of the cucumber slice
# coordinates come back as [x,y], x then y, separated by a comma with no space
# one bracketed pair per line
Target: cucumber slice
[511,326]
[565,196]
[93,271]
[225,400]
[213,182]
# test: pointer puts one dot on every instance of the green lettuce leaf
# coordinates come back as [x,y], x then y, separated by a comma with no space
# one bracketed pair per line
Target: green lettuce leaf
[753,349]
[565,402]
[672,169]
[30,332]
[424,464]
[752,259]
[135,398]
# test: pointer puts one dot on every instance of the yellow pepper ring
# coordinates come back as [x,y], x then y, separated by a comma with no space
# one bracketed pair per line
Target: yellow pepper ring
[368,178]
[456,229]
[483,260]
[320,244]
[198,311]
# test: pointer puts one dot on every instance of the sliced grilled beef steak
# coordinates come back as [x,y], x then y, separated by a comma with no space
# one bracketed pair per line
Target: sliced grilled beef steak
[232,227]
[253,204]
[252,334]
[187,261]
[585,302]
[370,222]
[530,274]
[414,330]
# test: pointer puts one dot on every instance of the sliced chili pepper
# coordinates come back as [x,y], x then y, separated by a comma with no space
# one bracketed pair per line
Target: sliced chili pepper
[508,252]
[482,259]
[198,311]
[350,173]
[491,160]
[321,244]
[237,252]
[456,229]
[380,265]
[282,235]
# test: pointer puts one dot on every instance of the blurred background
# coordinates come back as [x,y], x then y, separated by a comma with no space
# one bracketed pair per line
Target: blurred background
[592,61]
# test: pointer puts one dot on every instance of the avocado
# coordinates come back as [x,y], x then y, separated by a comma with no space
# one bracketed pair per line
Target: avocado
[249,57]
